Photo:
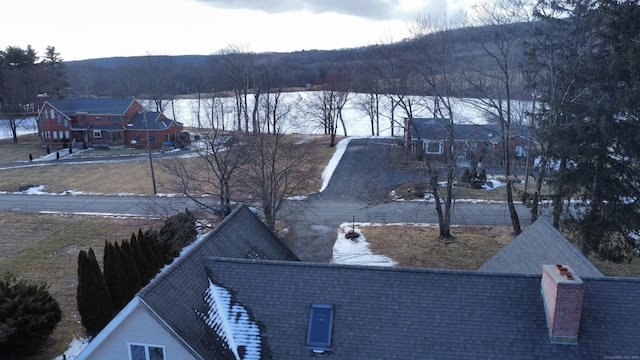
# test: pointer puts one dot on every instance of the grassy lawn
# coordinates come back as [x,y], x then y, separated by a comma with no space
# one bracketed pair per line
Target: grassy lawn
[131,177]
[420,246]
[27,144]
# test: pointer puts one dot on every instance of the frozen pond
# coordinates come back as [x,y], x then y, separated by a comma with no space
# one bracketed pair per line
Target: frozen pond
[356,120]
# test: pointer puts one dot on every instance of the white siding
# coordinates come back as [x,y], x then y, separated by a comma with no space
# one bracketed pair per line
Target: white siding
[139,327]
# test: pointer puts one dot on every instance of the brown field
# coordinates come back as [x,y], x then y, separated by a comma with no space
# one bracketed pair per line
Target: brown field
[130,177]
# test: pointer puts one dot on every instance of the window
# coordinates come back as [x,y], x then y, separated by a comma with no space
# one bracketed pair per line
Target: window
[53,114]
[521,151]
[97,134]
[98,118]
[320,327]
[146,352]
[434,147]
[152,138]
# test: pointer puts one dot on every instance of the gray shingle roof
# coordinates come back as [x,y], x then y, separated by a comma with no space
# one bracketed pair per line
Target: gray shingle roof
[137,123]
[407,313]
[538,245]
[92,106]
[436,129]
[178,289]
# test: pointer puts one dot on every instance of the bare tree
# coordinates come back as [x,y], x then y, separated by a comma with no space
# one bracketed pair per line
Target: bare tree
[369,104]
[220,154]
[440,79]
[275,170]
[238,63]
[495,90]
[276,109]
[156,77]
[395,78]
[325,108]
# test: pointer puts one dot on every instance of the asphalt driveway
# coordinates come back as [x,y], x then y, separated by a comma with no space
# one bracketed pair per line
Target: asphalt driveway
[365,172]
[364,176]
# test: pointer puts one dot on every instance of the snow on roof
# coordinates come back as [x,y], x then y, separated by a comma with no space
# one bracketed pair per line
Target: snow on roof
[232,322]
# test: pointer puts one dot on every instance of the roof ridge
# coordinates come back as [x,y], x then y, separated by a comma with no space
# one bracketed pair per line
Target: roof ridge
[367,267]
[570,245]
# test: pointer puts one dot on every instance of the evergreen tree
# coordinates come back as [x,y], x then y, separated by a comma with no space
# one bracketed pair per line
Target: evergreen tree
[177,232]
[28,315]
[590,93]
[115,276]
[151,247]
[132,281]
[145,269]
[94,301]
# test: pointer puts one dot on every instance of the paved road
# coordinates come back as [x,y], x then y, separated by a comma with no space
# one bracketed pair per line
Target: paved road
[314,223]
[89,204]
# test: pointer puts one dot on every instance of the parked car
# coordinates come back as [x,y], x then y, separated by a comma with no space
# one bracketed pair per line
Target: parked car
[169,145]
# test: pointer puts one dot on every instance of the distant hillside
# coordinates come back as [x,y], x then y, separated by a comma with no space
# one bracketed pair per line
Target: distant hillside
[128,76]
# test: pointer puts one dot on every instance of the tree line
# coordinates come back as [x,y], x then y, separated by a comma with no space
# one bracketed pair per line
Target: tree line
[24,75]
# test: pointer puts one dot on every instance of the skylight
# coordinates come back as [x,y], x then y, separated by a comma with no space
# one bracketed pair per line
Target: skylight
[320,327]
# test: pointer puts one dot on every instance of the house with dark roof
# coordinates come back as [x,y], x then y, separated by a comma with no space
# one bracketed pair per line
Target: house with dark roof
[540,244]
[111,123]
[472,142]
[163,321]
[243,306]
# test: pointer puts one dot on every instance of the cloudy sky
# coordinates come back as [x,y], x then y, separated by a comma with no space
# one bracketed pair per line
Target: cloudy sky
[86,29]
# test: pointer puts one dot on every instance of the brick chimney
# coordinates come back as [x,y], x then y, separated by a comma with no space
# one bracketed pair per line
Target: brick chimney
[562,293]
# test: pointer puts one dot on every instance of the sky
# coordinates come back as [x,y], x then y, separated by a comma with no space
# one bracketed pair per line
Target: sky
[88,29]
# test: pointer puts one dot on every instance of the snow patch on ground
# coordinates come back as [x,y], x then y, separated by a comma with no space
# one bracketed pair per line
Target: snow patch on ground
[341,147]
[356,251]
[41,190]
[76,346]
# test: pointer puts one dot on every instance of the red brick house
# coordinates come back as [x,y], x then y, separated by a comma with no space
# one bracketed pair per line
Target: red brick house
[471,142]
[109,123]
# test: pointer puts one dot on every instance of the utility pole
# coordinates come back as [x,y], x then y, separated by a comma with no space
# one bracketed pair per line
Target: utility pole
[146,128]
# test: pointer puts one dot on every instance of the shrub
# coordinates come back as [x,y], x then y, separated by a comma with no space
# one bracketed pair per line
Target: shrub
[465,177]
[483,176]
[28,315]
[178,231]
